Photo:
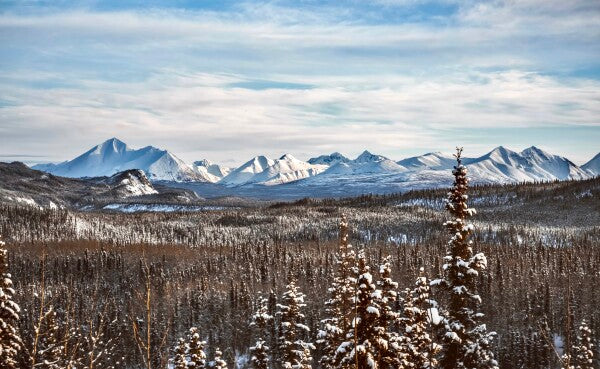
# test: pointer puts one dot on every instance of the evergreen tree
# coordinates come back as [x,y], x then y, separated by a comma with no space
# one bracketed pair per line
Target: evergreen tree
[340,306]
[180,360]
[359,348]
[197,356]
[218,362]
[10,342]
[260,322]
[294,351]
[420,314]
[584,349]
[386,297]
[467,342]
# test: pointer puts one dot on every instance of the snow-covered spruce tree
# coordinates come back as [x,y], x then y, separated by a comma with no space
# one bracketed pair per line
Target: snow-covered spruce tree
[180,359]
[218,362]
[339,308]
[388,341]
[583,351]
[294,351]
[260,323]
[466,340]
[359,349]
[195,346]
[10,342]
[419,316]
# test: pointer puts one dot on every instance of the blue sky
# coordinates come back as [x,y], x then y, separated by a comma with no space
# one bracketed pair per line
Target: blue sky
[227,80]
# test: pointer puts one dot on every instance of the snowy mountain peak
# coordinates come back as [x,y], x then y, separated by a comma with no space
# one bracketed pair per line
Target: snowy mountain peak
[536,152]
[431,160]
[330,160]
[110,146]
[114,156]
[366,157]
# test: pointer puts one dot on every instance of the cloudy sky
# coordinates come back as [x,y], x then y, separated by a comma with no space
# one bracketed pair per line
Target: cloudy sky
[227,80]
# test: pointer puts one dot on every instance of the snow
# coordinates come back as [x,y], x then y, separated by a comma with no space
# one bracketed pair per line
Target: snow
[113,156]
[136,208]
[433,316]
[367,173]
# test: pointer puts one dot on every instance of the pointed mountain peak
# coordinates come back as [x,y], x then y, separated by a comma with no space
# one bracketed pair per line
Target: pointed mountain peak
[366,156]
[530,151]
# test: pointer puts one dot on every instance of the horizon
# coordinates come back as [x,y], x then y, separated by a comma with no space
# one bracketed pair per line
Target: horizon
[225,80]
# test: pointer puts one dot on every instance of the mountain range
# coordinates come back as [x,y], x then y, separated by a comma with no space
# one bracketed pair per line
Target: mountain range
[367,173]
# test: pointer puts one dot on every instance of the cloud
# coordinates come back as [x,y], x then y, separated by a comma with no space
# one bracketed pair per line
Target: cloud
[272,77]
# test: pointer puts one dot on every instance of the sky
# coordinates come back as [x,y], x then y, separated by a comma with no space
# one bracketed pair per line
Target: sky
[228,80]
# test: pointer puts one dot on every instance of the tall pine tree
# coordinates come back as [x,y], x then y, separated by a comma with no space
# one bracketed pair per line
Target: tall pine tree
[467,342]
[386,296]
[359,350]
[260,322]
[420,315]
[294,350]
[339,308]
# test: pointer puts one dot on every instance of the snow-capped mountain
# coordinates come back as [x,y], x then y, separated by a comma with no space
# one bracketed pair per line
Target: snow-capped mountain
[261,170]
[330,159]
[131,183]
[365,163]
[593,166]
[212,172]
[113,156]
[243,173]
[502,165]
[286,169]
[432,160]
[367,173]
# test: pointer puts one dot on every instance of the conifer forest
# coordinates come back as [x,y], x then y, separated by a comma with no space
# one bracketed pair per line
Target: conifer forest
[495,276]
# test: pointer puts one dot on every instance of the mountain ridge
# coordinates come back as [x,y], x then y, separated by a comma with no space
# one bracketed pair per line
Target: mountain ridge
[368,171]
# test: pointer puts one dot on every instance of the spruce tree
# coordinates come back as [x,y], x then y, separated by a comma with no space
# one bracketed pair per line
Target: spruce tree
[294,351]
[418,319]
[197,356]
[218,362]
[386,297]
[583,351]
[339,308]
[10,342]
[180,360]
[260,322]
[467,342]
[359,350]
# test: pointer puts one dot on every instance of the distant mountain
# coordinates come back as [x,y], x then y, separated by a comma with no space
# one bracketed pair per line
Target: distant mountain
[132,182]
[330,159]
[243,173]
[286,169]
[365,163]
[261,170]
[367,173]
[502,165]
[113,156]
[212,172]
[593,166]
[432,160]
